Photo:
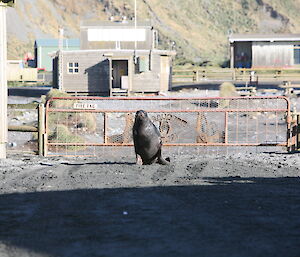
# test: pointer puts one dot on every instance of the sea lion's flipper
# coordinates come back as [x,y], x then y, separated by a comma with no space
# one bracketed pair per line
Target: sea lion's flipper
[161,160]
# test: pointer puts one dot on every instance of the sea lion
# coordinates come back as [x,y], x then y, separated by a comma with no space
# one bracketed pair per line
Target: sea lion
[147,140]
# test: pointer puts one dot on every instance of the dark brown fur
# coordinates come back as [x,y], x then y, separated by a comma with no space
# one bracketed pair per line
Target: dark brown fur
[147,140]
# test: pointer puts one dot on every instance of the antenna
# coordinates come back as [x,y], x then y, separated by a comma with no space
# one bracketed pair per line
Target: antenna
[135,32]
[61,38]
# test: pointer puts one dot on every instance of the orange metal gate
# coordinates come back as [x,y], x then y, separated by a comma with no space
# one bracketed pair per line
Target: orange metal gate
[77,126]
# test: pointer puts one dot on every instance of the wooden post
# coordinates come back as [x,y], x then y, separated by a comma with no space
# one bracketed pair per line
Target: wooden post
[197,75]
[194,76]
[233,74]
[3,82]
[231,55]
[298,133]
[41,128]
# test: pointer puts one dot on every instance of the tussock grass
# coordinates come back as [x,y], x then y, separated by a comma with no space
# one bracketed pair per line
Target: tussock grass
[62,134]
[227,89]
[62,125]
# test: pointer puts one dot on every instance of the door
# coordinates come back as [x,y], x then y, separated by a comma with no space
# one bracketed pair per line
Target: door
[164,73]
[243,55]
[119,70]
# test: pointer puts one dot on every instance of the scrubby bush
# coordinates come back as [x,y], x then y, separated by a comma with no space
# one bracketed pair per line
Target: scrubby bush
[227,89]
[62,125]
[58,103]
[88,121]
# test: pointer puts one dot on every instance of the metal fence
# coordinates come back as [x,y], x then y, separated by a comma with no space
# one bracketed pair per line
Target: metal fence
[80,126]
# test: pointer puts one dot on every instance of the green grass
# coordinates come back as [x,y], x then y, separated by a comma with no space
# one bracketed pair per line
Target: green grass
[11,84]
[23,106]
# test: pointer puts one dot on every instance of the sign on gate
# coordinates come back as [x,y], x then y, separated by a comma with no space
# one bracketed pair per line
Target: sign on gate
[85,106]
[83,125]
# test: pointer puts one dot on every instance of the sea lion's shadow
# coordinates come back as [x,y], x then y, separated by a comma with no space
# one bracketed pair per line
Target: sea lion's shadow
[98,163]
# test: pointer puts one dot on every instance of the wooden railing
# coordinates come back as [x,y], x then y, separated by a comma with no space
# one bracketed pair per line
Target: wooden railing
[39,129]
[226,74]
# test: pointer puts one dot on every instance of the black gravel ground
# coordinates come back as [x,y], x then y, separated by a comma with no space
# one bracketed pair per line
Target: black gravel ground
[233,205]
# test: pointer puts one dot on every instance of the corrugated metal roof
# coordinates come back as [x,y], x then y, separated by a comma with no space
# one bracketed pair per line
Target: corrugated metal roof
[72,42]
[264,37]
[113,24]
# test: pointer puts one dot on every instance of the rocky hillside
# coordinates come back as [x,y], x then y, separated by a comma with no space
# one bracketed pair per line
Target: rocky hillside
[199,27]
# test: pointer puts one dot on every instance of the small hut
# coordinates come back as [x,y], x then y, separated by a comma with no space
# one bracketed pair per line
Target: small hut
[115,58]
[267,50]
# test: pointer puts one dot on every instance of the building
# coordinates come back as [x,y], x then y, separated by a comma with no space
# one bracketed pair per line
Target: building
[266,51]
[17,72]
[115,57]
[44,48]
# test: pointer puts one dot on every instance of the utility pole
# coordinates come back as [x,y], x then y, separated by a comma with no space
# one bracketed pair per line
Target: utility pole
[3,79]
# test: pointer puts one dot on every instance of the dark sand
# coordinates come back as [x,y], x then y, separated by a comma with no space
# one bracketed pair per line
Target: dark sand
[212,205]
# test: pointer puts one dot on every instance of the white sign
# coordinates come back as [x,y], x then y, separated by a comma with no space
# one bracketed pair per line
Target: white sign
[129,35]
[85,106]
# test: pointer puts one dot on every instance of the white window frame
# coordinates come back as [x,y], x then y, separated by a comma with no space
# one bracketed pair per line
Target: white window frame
[73,67]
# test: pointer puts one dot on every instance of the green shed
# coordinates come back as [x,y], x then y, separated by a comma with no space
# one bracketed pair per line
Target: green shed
[44,48]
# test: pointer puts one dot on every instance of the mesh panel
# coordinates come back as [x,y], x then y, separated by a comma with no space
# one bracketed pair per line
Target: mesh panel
[84,126]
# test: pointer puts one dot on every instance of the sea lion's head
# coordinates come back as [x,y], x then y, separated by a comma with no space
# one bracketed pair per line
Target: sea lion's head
[141,115]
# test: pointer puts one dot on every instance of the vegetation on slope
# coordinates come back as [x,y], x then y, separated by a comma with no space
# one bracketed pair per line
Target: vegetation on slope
[199,28]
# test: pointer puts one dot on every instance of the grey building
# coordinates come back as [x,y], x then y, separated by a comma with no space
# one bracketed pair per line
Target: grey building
[115,58]
[266,51]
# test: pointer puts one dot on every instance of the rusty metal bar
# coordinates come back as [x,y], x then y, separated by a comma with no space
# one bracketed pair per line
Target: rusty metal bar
[226,128]
[105,128]
[175,144]
[165,98]
[171,111]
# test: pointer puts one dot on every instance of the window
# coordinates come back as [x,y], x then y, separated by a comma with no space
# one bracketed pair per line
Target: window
[142,64]
[73,67]
[296,54]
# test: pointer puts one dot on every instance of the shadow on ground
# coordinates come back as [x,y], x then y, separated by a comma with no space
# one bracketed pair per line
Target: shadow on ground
[215,85]
[29,91]
[229,217]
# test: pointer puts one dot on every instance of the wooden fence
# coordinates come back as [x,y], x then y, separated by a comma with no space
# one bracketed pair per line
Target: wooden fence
[242,75]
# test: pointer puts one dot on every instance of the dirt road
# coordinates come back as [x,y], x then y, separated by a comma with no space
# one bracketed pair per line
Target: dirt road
[236,205]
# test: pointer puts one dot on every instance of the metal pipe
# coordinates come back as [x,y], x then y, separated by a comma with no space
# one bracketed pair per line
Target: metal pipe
[226,128]
[135,26]
[160,98]
[105,128]
[169,111]
[175,144]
